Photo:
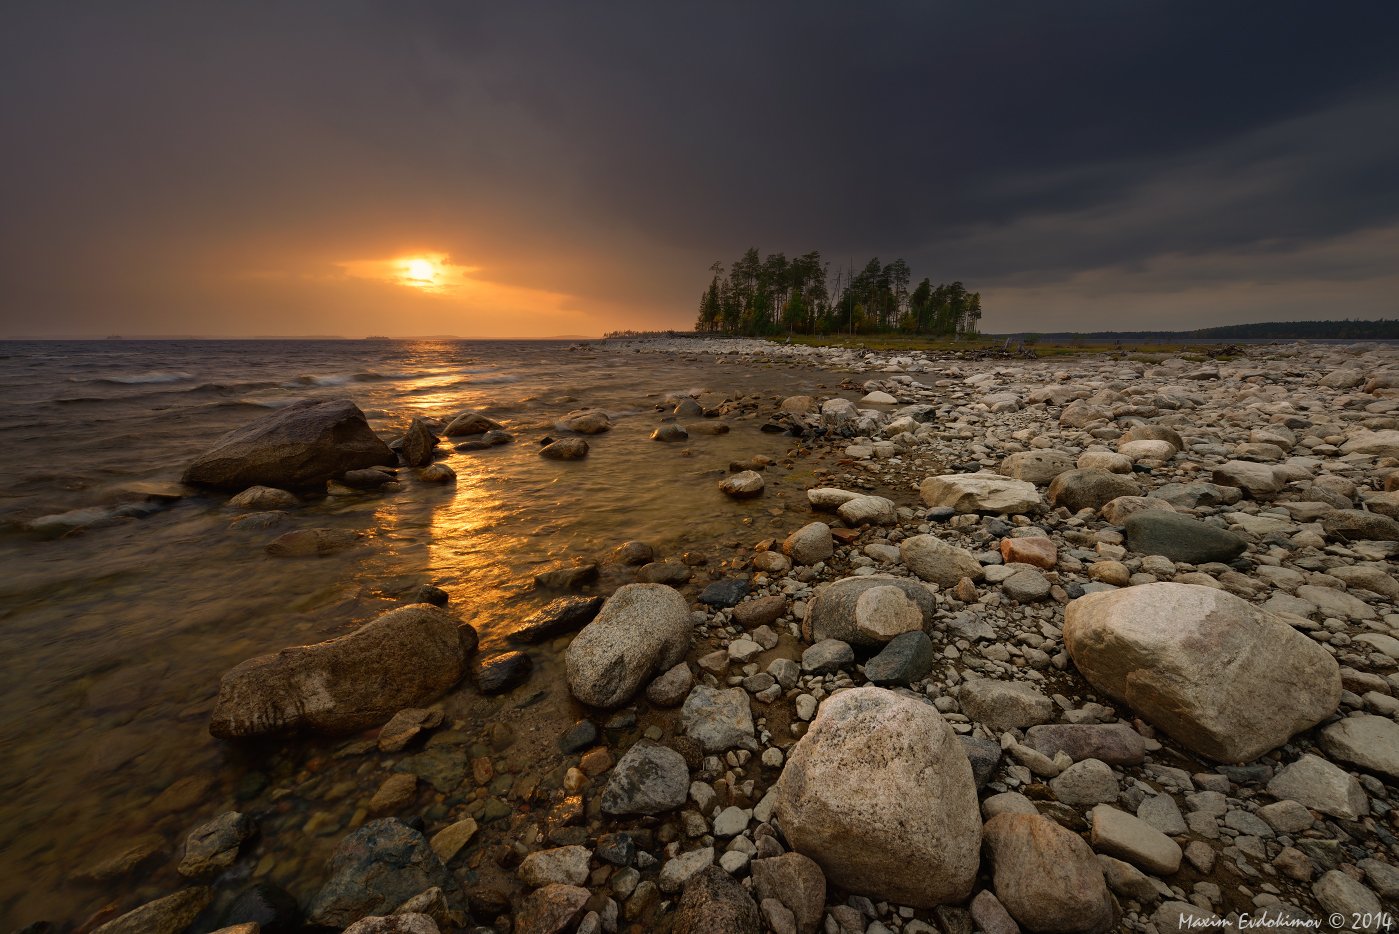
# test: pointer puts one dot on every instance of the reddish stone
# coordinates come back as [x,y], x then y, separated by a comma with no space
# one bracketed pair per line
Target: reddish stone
[1038,551]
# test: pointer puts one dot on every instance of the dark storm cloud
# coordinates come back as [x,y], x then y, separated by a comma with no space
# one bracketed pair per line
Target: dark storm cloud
[611,151]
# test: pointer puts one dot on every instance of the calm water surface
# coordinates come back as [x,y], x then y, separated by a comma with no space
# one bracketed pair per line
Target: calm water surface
[118,618]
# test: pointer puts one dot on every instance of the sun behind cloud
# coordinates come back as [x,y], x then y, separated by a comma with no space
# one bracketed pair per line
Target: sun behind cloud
[426,272]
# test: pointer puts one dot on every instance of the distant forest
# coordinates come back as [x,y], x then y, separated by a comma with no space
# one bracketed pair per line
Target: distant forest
[776,295]
[1348,329]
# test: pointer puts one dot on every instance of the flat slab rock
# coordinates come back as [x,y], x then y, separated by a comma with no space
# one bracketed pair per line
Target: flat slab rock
[405,658]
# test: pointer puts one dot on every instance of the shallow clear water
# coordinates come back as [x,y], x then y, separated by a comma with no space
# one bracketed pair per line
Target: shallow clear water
[115,633]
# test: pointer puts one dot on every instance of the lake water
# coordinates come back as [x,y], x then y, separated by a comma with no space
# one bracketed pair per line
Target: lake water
[118,617]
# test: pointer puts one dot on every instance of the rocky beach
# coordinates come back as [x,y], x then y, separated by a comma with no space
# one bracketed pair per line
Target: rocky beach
[903,643]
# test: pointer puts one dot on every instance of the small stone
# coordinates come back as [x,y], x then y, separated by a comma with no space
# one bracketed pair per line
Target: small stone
[565,865]
[1086,783]
[448,841]
[826,656]
[1120,834]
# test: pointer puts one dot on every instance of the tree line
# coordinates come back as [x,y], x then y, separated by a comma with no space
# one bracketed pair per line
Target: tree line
[775,295]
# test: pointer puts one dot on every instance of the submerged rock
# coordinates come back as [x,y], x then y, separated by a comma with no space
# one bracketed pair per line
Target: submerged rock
[374,870]
[556,618]
[213,846]
[172,914]
[880,794]
[405,658]
[470,423]
[302,445]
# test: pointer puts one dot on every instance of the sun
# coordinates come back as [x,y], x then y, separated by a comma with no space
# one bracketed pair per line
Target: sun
[420,272]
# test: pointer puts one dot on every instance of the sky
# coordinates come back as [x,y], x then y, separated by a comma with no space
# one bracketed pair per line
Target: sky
[526,169]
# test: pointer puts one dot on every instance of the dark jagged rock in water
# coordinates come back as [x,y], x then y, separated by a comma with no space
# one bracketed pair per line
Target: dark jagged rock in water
[300,446]
[1181,538]
[500,673]
[376,869]
[429,593]
[369,478]
[556,618]
[267,905]
[405,658]
[568,577]
[418,443]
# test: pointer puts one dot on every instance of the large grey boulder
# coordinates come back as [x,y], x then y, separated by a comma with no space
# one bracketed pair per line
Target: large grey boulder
[719,720]
[648,779]
[1366,741]
[836,611]
[1322,786]
[880,794]
[1225,679]
[407,657]
[1181,538]
[980,492]
[1089,488]
[374,870]
[1004,705]
[1254,479]
[938,562]
[1037,467]
[300,446]
[641,631]
[1046,876]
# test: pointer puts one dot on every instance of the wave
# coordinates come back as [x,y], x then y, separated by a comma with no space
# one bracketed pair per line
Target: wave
[135,379]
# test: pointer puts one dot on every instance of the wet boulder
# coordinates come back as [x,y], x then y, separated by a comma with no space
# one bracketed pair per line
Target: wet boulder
[641,631]
[302,445]
[405,658]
